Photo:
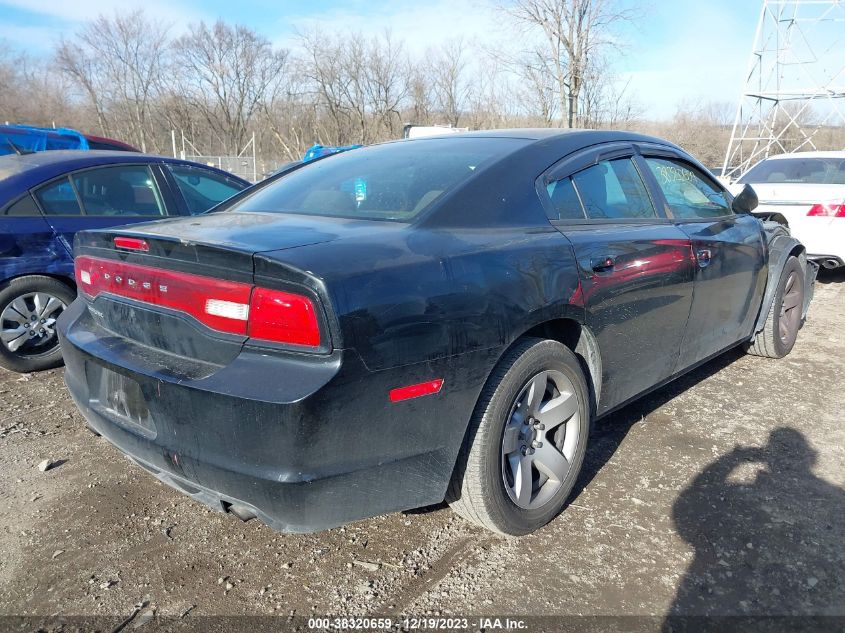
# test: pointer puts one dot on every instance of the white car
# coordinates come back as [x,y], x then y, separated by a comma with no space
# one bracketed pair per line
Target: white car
[808,189]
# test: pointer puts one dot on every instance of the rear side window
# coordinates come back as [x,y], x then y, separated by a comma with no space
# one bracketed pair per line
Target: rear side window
[124,190]
[203,189]
[58,198]
[810,171]
[395,181]
[24,207]
[613,190]
[564,200]
[689,195]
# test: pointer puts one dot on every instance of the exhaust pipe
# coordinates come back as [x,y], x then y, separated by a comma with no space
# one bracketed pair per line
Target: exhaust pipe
[242,512]
[831,263]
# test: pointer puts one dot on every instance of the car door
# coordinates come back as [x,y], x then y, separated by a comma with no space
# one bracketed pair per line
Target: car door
[635,267]
[100,197]
[729,252]
[201,189]
[27,242]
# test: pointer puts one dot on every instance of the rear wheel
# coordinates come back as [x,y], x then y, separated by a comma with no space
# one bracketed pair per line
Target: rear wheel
[778,336]
[29,307]
[526,441]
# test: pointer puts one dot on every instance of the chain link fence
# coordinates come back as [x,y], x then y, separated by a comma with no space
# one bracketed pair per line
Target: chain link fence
[246,164]
[247,168]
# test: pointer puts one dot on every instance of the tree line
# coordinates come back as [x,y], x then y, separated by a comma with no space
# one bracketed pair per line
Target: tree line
[127,76]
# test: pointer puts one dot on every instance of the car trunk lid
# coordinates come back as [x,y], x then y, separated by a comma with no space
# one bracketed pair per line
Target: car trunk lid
[187,287]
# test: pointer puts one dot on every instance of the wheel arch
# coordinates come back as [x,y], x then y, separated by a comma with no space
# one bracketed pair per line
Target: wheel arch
[68,281]
[782,246]
[581,341]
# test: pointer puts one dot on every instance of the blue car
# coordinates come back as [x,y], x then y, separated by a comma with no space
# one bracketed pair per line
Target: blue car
[319,151]
[46,197]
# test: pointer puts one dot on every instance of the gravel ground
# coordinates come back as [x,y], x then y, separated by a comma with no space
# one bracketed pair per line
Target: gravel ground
[719,494]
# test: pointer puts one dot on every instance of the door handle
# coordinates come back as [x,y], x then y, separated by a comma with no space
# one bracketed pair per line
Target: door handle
[602,264]
[703,256]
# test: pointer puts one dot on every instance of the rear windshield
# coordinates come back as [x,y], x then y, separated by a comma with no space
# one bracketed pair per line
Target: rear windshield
[394,181]
[811,171]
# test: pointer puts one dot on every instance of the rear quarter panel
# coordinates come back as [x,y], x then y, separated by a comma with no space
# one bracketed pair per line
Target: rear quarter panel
[28,246]
[420,295]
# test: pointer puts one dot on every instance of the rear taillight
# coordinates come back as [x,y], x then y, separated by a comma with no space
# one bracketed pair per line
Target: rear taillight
[827,211]
[273,311]
[225,306]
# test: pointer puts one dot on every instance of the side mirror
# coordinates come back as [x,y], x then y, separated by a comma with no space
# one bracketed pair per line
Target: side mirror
[746,200]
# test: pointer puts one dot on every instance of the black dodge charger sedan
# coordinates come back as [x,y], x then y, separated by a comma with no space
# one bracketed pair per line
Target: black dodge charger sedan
[421,320]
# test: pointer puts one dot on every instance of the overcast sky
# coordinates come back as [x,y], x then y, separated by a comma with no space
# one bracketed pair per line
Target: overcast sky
[680,50]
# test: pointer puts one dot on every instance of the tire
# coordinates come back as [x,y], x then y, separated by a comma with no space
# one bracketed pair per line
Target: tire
[489,485]
[777,338]
[26,344]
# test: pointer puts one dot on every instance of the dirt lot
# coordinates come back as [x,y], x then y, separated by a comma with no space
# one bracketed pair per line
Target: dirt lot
[722,493]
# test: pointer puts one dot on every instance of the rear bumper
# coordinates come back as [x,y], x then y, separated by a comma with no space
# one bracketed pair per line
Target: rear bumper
[827,261]
[303,444]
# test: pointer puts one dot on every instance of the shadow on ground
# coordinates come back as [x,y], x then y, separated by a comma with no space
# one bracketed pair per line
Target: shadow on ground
[768,534]
[610,432]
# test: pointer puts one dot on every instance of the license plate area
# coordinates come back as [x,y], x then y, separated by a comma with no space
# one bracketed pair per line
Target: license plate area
[122,400]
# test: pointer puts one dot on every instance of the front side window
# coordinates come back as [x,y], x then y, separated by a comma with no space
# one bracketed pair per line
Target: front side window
[394,181]
[688,194]
[203,189]
[125,190]
[58,198]
[613,190]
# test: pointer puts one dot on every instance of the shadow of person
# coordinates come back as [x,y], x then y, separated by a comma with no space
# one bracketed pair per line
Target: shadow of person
[769,536]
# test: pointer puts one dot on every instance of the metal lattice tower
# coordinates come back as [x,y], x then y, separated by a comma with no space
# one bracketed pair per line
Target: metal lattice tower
[795,85]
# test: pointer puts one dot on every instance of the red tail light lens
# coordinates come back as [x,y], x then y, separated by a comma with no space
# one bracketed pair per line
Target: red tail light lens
[225,306]
[221,305]
[827,210]
[273,311]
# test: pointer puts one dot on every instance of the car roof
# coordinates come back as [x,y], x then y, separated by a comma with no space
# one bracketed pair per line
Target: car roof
[21,172]
[566,140]
[78,156]
[542,133]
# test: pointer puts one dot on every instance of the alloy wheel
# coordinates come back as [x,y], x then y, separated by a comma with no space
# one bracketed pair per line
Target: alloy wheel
[28,323]
[540,439]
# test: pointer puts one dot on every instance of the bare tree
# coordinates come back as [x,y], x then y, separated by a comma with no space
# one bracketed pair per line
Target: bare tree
[448,79]
[606,101]
[118,62]
[226,72]
[360,84]
[574,31]
[419,95]
[388,83]
[324,68]
[290,114]
[221,83]
[11,105]
[539,92]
